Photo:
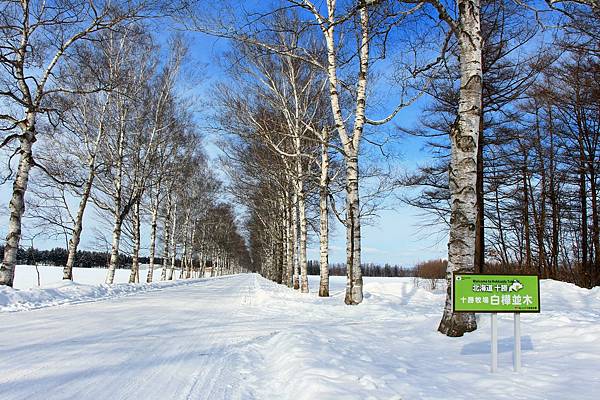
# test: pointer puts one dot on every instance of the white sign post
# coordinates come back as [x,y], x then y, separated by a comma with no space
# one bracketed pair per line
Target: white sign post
[517,348]
[494,342]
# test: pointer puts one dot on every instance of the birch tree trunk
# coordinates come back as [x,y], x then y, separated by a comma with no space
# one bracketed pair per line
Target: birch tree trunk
[463,164]
[173,244]
[324,219]
[135,262]
[153,227]
[202,265]
[217,260]
[213,263]
[78,227]
[279,270]
[303,232]
[350,143]
[85,196]
[286,277]
[17,205]
[354,281]
[184,255]
[114,253]
[117,198]
[296,278]
[220,261]
[202,256]
[166,226]
[183,265]
[289,246]
[191,253]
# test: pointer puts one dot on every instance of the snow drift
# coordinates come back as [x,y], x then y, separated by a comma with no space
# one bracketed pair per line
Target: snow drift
[243,337]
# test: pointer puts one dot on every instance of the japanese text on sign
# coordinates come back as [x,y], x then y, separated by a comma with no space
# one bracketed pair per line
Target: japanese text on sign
[496,293]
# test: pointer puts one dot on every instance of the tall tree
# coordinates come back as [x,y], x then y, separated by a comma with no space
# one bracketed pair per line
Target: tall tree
[36,36]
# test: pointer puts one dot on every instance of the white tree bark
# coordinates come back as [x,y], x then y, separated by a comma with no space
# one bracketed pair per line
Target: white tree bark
[77,228]
[289,245]
[135,262]
[190,256]
[173,244]
[286,277]
[300,196]
[213,262]
[184,255]
[117,200]
[17,204]
[324,218]
[350,143]
[463,164]
[166,241]
[153,228]
[303,240]
[85,196]
[114,253]
[202,253]
[202,268]
[354,281]
[296,277]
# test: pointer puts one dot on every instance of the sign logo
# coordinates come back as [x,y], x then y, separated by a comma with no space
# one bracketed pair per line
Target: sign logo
[515,287]
[490,293]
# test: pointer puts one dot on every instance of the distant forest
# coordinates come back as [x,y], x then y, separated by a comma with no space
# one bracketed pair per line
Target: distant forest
[369,269]
[96,259]
[84,258]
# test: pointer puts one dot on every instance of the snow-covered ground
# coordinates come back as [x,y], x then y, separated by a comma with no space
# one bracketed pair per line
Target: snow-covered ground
[55,291]
[243,337]
[26,275]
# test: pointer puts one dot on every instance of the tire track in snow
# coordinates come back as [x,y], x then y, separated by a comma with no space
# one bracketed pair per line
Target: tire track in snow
[219,381]
[173,343]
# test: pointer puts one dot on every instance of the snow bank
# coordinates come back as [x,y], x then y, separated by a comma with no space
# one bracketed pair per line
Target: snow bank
[389,347]
[66,292]
[26,275]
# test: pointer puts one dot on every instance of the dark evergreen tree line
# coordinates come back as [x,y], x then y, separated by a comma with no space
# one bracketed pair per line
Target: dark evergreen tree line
[84,258]
[369,269]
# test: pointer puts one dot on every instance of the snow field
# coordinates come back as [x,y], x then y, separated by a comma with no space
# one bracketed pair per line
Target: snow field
[26,276]
[388,347]
[87,287]
[243,337]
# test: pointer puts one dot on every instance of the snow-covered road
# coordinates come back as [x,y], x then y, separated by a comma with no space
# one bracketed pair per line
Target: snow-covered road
[242,337]
[177,343]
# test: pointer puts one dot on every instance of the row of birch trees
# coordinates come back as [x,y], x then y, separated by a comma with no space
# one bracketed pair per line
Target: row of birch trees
[278,157]
[112,136]
[286,124]
[296,105]
[460,53]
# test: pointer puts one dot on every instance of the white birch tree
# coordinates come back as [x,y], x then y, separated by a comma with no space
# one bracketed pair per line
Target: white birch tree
[464,136]
[35,37]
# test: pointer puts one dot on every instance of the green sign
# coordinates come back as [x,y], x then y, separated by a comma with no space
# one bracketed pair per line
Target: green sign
[487,293]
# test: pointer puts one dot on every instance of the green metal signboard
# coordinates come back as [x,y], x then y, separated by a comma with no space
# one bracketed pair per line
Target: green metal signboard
[488,293]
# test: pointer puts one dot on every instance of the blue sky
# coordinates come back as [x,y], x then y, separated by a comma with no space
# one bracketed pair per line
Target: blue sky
[396,237]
